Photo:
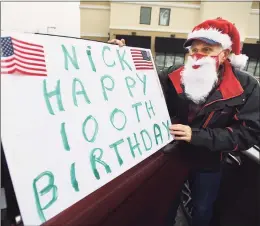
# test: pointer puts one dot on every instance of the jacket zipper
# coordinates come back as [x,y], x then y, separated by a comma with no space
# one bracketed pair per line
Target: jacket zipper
[208,119]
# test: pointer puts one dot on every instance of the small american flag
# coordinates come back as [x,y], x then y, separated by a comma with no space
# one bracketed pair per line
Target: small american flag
[142,59]
[19,57]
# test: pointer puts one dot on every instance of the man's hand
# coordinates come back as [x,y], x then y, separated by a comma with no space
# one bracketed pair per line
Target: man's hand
[181,132]
[121,42]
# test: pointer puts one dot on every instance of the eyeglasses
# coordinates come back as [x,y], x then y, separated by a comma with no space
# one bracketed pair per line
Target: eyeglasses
[204,50]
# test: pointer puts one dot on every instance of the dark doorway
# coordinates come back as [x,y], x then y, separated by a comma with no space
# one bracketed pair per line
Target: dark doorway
[136,41]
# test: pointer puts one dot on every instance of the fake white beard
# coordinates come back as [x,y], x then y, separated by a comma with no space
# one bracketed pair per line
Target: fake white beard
[198,83]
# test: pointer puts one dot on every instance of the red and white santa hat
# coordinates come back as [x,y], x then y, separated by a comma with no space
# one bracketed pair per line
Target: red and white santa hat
[220,31]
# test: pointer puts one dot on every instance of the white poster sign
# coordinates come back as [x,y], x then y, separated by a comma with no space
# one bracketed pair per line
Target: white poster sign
[75,114]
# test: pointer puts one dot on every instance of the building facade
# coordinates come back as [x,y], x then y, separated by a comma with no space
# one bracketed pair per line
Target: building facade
[163,26]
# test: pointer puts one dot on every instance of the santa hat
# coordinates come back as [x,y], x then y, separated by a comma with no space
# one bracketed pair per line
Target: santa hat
[220,31]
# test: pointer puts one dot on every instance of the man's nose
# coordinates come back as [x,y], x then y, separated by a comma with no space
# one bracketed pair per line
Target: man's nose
[198,56]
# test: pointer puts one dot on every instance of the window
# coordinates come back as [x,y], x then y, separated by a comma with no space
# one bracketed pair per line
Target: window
[169,59]
[163,60]
[145,15]
[164,18]
[179,59]
[253,67]
[160,60]
[257,71]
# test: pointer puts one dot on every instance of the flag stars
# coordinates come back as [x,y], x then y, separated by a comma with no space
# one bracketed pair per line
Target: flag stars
[6,47]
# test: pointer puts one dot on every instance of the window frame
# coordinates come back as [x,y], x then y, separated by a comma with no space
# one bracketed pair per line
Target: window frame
[142,7]
[168,24]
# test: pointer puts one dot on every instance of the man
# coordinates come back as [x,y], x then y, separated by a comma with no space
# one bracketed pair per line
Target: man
[216,106]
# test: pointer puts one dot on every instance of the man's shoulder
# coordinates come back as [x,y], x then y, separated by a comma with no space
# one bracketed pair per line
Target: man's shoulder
[164,77]
[246,79]
[171,69]
[164,74]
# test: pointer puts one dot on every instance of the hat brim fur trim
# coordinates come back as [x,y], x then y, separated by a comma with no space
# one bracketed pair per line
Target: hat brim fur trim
[213,34]
[238,61]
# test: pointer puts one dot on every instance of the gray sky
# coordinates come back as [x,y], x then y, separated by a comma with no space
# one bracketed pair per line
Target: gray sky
[38,16]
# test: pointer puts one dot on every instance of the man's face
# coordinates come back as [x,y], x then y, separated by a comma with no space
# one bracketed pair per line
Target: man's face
[200,72]
[199,47]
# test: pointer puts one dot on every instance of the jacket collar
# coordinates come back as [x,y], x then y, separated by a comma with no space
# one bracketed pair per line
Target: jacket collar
[229,87]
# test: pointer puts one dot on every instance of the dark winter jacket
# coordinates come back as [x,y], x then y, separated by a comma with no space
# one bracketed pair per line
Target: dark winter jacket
[229,121]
